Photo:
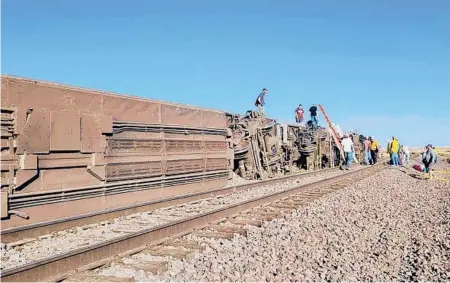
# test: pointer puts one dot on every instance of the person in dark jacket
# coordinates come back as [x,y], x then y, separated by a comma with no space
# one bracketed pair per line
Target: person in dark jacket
[428,157]
[325,160]
[313,113]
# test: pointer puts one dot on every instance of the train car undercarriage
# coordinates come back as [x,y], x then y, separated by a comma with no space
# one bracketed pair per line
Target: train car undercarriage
[264,148]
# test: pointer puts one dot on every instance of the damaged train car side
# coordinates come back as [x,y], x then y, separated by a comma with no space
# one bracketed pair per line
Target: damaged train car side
[264,148]
[68,151]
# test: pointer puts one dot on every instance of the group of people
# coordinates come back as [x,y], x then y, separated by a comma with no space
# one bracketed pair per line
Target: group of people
[399,154]
[371,150]
[300,118]
[299,112]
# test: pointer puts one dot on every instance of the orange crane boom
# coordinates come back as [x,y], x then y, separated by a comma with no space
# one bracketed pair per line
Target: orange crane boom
[333,131]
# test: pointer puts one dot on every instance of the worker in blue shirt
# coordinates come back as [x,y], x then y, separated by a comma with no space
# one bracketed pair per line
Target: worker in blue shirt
[260,101]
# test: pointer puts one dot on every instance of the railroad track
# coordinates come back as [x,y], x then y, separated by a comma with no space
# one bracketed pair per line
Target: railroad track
[75,265]
[30,231]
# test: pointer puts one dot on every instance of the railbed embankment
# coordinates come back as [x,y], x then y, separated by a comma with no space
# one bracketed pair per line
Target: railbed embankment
[388,227]
[60,242]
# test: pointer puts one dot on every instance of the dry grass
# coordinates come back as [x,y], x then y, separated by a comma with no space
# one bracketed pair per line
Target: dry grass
[442,150]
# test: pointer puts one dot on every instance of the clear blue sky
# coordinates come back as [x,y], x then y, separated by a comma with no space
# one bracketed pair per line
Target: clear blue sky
[380,66]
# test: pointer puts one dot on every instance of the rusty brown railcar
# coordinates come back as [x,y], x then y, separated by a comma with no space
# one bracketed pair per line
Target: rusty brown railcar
[264,148]
[68,151]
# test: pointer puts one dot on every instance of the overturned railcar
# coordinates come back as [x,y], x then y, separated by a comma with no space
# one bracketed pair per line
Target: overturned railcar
[264,148]
[69,151]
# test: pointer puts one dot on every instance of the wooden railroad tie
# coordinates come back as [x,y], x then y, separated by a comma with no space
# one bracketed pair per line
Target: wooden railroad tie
[229,229]
[184,244]
[163,251]
[86,277]
[244,222]
[214,235]
[154,267]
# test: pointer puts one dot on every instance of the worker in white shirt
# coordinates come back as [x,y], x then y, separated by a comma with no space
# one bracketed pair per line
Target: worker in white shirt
[349,149]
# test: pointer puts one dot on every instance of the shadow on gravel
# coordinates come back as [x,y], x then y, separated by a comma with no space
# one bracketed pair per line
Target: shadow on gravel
[409,171]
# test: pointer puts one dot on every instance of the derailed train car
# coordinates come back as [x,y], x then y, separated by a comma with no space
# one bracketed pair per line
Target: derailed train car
[264,148]
[67,151]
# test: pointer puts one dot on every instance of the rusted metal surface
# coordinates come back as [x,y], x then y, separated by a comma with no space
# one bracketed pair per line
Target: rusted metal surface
[59,265]
[4,204]
[68,151]
[46,227]
[263,148]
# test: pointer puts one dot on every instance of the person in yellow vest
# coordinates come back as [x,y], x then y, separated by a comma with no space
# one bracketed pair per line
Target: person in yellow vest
[374,148]
[393,149]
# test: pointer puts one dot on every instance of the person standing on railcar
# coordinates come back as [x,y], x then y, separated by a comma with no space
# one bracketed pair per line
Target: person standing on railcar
[260,101]
[299,112]
[313,113]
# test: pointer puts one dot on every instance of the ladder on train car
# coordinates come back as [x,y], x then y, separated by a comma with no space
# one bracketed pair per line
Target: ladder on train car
[333,133]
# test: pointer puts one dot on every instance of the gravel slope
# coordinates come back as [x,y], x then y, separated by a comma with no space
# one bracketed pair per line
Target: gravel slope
[388,227]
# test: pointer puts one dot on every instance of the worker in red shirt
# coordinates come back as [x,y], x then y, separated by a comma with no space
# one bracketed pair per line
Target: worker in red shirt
[299,112]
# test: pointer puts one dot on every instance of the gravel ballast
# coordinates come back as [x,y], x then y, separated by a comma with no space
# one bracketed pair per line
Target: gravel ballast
[387,227]
[80,237]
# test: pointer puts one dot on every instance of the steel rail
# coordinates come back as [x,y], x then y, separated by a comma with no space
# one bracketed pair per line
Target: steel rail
[58,266]
[47,227]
